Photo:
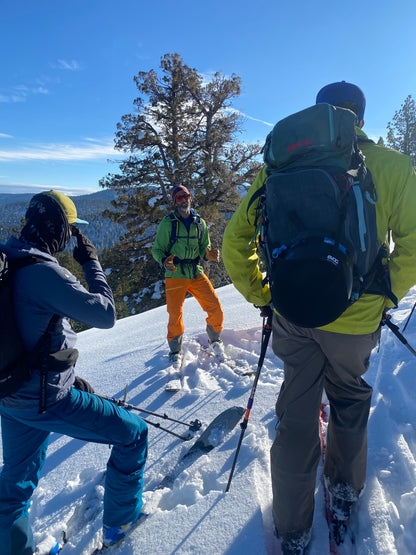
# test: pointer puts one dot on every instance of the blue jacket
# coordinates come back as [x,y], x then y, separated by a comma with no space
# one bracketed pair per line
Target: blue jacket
[42,290]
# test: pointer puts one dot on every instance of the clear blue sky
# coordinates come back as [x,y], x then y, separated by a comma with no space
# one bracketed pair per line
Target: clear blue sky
[67,67]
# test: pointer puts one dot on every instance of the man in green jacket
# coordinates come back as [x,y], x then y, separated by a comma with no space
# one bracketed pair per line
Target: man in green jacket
[181,240]
[332,358]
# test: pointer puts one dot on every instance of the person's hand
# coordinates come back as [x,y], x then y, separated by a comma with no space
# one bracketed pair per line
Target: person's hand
[265,311]
[83,385]
[168,263]
[84,251]
[212,254]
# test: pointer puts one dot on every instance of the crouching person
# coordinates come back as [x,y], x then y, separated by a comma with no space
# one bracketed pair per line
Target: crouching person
[46,296]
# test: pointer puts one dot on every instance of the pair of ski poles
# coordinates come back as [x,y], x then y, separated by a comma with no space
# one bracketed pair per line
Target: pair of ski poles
[193,426]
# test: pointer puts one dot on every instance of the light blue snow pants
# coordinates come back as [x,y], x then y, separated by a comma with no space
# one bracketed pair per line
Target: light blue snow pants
[81,415]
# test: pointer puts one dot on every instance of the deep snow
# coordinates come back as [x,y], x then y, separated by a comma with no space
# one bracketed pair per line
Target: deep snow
[196,516]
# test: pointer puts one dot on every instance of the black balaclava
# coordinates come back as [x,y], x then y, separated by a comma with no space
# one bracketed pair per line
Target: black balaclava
[47,226]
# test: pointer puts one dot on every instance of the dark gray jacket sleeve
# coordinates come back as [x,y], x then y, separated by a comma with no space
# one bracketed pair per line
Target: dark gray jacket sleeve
[46,289]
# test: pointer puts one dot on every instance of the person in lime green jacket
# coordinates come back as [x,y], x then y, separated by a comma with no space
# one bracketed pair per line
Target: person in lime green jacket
[332,358]
[182,239]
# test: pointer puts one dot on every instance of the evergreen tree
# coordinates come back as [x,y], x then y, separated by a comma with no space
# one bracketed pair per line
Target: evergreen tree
[182,131]
[401,133]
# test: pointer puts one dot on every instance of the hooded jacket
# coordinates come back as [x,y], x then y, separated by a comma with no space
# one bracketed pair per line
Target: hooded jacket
[395,181]
[42,290]
[189,245]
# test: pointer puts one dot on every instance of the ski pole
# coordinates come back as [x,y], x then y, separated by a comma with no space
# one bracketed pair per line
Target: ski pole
[194,425]
[157,425]
[265,336]
[395,329]
[408,318]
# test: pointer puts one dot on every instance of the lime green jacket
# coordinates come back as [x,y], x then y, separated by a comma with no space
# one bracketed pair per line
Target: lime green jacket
[188,245]
[395,181]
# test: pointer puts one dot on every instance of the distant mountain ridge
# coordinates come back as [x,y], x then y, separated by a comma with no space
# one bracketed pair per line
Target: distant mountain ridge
[102,232]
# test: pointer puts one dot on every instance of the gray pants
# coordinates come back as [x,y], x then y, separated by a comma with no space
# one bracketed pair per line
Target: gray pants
[315,360]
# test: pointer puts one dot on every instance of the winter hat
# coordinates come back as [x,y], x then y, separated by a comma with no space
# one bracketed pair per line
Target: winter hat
[337,93]
[176,189]
[67,205]
[47,227]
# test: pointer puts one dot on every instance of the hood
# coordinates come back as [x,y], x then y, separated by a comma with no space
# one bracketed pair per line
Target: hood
[15,248]
[47,226]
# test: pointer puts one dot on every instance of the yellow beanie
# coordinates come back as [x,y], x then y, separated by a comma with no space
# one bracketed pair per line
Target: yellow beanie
[67,205]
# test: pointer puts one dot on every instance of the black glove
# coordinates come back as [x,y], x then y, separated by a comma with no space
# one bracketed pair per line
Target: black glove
[265,311]
[85,250]
[83,385]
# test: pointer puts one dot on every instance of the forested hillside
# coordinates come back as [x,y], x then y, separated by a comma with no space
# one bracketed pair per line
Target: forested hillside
[102,232]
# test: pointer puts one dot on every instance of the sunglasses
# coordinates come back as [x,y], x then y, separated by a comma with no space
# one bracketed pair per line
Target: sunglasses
[185,196]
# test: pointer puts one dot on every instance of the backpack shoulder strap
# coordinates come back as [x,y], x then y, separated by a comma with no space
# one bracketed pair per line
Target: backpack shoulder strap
[362,139]
[197,220]
[173,232]
[258,194]
[17,263]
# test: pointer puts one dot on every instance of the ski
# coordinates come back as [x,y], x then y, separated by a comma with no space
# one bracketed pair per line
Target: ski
[212,436]
[85,514]
[175,370]
[223,358]
[111,548]
[341,536]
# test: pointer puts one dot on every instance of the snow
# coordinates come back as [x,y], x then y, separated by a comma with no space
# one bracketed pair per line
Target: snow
[196,515]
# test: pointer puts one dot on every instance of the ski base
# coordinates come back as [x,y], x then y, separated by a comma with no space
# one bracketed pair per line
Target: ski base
[212,436]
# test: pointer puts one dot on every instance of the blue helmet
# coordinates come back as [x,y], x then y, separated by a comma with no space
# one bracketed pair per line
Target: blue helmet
[337,93]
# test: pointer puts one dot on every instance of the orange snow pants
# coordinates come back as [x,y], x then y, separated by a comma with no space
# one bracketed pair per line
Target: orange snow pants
[200,288]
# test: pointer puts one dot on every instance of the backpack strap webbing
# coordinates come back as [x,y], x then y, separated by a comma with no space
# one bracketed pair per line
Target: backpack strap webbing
[43,347]
[173,232]
[362,139]
[258,194]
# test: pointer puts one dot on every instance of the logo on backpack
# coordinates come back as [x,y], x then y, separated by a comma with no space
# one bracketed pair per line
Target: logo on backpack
[318,221]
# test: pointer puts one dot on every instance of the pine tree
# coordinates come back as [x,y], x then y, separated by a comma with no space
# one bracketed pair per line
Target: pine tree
[401,133]
[182,131]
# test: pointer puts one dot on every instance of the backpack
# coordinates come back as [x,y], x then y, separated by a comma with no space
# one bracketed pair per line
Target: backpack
[318,228]
[173,237]
[175,228]
[14,359]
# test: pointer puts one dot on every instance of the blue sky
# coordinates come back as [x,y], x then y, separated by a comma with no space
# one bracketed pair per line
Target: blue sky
[67,68]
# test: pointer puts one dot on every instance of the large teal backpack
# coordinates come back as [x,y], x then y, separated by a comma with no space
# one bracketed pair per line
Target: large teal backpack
[318,218]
